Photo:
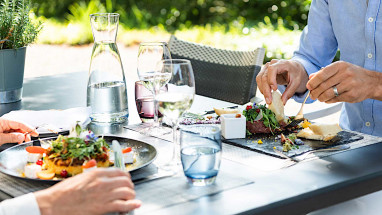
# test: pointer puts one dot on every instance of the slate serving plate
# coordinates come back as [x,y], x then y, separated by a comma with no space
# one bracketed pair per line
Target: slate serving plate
[14,159]
[270,141]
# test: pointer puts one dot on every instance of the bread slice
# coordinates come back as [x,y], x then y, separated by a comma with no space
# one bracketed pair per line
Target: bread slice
[307,133]
[277,106]
[325,129]
[220,111]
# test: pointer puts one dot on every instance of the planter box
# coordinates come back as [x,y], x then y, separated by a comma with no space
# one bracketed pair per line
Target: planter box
[12,63]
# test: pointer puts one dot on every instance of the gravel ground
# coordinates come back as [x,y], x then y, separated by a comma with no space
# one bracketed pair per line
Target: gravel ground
[43,60]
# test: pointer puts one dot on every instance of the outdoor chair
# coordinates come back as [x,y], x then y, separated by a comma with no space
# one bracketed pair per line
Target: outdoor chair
[222,74]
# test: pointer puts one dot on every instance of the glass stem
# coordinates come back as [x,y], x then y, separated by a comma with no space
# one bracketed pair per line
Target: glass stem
[156,108]
[175,142]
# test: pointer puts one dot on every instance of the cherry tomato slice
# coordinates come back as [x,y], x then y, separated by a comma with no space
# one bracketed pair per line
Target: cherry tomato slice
[127,150]
[35,149]
[39,162]
[90,164]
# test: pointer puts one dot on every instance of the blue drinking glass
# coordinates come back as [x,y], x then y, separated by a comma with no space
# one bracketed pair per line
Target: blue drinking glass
[200,152]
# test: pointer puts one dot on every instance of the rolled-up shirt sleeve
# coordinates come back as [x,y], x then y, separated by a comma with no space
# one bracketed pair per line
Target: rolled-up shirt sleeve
[318,44]
[21,205]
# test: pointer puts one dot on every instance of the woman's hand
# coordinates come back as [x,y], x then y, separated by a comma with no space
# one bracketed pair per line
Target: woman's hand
[15,132]
[283,72]
[353,83]
[100,191]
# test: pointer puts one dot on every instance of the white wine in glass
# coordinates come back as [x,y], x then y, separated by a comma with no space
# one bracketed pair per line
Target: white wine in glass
[149,55]
[176,100]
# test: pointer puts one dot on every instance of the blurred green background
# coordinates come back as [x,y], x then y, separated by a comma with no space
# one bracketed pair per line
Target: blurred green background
[236,24]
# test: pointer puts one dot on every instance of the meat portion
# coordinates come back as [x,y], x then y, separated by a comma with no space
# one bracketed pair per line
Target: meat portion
[257,127]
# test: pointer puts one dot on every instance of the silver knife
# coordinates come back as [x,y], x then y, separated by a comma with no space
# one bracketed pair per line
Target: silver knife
[118,158]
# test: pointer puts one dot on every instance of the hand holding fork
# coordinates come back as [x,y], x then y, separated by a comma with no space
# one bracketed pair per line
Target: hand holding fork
[15,132]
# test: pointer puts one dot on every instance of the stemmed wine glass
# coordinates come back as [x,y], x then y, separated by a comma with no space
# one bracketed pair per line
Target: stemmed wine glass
[150,53]
[176,100]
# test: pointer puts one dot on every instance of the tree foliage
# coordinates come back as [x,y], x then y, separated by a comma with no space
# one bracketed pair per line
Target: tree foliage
[184,13]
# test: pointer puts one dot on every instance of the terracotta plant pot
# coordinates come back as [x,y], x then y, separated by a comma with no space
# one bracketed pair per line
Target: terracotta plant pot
[12,63]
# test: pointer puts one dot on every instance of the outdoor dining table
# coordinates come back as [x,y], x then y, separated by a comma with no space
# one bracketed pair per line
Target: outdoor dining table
[244,185]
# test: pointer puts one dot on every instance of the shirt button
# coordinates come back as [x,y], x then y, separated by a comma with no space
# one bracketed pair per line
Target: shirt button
[367,124]
[371,19]
[369,55]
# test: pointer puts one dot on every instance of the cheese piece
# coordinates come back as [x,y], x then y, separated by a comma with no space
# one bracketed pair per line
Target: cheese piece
[277,106]
[128,157]
[220,111]
[31,170]
[33,157]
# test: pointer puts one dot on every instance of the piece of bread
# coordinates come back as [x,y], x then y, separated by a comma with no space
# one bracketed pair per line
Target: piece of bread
[277,106]
[325,129]
[324,132]
[307,133]
[220,111]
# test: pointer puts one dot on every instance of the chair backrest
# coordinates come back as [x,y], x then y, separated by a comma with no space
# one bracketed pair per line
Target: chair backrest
[222,74]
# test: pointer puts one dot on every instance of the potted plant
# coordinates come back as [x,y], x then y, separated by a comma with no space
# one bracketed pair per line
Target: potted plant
[16,32]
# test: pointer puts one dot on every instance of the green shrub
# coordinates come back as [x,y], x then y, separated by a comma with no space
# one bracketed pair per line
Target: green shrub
[16,28]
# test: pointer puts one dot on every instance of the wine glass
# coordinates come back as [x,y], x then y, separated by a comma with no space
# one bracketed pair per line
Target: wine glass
[176,100]
[149,54]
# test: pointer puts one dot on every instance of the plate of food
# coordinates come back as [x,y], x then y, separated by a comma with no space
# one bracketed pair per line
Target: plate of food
[64,156]
[267,129]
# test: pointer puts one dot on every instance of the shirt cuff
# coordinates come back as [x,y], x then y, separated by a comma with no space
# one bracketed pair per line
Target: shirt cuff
[25,204]
[309,66]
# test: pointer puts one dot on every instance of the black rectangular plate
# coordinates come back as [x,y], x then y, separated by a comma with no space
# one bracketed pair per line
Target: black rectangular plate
[270,141]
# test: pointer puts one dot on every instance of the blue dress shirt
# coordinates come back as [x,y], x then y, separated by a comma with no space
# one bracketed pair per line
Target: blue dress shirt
[355,28]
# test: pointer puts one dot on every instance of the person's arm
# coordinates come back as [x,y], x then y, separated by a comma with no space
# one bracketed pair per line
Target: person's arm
[97,192]
[352,83]
[21,205]
[318,44]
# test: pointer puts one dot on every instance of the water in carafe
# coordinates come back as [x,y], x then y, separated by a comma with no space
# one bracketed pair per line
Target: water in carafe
[106,90]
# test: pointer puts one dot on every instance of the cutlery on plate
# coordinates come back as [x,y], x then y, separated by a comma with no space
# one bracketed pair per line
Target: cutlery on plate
[303,156]
[213,111]
[118,158]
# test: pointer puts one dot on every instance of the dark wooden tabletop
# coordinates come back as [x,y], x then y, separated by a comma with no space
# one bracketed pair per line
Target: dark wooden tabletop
[299,189]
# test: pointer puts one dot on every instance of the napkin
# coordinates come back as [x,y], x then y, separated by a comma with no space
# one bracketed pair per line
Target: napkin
[52,119]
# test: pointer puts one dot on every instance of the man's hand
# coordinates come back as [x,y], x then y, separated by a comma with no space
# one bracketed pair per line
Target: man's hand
[353,83]
[100,191]
[283,72]
[15,132]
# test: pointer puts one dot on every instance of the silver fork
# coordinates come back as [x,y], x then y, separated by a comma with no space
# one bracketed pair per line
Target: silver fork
[294,160]
[300,115]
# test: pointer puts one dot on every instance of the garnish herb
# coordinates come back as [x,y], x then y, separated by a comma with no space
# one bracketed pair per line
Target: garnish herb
[269,118]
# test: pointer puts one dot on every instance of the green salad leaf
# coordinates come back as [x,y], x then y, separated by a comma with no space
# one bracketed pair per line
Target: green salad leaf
[268,119]
[75,147]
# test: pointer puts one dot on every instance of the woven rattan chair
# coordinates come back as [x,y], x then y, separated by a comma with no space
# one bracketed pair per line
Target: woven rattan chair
[222,74]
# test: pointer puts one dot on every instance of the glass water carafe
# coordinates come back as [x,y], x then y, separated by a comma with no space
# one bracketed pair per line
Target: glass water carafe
[106,90]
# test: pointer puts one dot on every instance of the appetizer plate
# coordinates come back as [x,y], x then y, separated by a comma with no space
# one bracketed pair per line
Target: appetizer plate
[270,141]
[14,159]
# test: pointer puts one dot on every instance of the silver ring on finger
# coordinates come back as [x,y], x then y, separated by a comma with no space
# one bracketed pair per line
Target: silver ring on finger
[335,90]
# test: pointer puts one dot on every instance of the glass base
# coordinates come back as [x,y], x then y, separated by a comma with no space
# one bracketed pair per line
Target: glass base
[110,118]
[156,131]
[173,166]
[201,182]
